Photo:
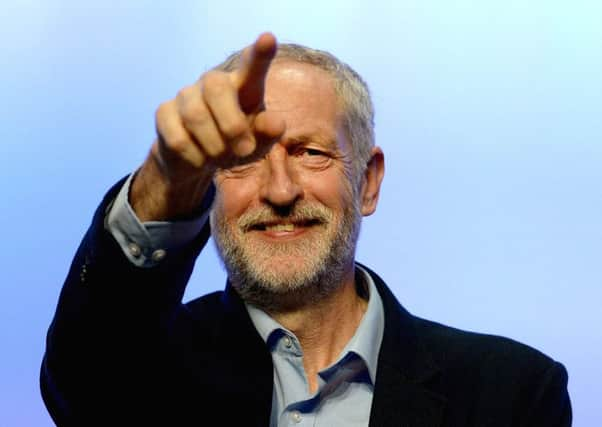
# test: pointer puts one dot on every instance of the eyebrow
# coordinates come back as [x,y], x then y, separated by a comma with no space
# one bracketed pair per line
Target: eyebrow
[305,139]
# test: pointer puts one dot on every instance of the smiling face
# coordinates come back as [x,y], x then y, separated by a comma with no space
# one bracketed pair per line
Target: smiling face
[286,224]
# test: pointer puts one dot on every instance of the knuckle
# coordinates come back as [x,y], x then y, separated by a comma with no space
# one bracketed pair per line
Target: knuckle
[163,111]
[215,150]
[197,160]
[194,113]
[186,93]
[215,82]
[234,128]
[213,78]
[163,120]
[177,145]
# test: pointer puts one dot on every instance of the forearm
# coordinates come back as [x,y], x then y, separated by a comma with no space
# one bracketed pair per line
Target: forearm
[110,318]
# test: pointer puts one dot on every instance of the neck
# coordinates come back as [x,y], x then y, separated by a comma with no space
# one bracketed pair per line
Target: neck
[326,326]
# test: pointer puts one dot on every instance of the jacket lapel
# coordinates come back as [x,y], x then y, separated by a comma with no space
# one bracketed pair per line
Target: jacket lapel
[400,402]
[250,379]
[405,393]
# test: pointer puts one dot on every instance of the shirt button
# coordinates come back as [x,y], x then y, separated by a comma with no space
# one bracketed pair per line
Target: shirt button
[158,255]
[134,250]
[288,343]
[296,417]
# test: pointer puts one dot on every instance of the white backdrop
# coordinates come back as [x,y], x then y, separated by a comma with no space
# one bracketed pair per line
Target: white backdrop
[488,113]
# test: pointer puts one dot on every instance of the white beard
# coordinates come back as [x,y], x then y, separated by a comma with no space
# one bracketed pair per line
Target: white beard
[282,276]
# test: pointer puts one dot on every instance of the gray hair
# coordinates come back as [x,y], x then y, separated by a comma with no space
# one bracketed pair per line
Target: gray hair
[352,93]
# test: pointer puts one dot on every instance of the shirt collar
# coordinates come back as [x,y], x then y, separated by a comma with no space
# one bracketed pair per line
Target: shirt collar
[367,338]
[369,334]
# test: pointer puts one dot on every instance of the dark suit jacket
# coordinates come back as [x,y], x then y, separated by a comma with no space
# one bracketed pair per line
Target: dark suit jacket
[123,350]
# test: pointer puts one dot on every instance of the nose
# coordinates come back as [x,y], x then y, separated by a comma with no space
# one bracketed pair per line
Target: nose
[280,187]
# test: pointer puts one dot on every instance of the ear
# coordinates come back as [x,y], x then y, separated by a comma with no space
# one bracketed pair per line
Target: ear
[373,177]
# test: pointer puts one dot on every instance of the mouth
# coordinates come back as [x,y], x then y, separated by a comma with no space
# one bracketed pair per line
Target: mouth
[284,226]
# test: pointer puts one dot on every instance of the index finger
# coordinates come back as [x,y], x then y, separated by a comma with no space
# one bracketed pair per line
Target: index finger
[250,76]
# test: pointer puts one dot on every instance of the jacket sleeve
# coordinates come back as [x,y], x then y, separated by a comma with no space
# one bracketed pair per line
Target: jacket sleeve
[104,343]
[550,404]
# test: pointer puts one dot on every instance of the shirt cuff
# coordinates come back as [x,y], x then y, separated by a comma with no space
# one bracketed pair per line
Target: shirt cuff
[146,244]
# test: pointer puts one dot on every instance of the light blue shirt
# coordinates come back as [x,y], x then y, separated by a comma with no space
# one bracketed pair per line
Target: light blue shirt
[345,388]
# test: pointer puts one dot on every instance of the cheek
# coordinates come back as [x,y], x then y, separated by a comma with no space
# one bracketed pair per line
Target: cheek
[233,198]
[331,189]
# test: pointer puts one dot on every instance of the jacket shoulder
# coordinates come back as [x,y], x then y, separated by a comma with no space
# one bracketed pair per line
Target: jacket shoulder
[453,345]
[498,375]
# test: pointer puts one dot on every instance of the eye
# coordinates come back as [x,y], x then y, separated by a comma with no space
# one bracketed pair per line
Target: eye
[313,157]
[314,152]
[240,169]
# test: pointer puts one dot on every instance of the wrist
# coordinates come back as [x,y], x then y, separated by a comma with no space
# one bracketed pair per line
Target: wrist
[155,196]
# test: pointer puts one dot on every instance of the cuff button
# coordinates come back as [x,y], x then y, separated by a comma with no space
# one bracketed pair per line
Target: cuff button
[134,250]
[159,255]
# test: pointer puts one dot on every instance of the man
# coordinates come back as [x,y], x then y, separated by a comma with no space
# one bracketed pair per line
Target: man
[276,146]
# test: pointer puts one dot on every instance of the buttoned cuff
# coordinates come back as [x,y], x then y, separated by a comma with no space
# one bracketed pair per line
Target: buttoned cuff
[146,244]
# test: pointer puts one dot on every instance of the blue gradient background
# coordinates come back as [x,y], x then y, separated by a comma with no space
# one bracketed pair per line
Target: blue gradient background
[488,112]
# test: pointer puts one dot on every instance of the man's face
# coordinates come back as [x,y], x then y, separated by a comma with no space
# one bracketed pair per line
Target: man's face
[287,222]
